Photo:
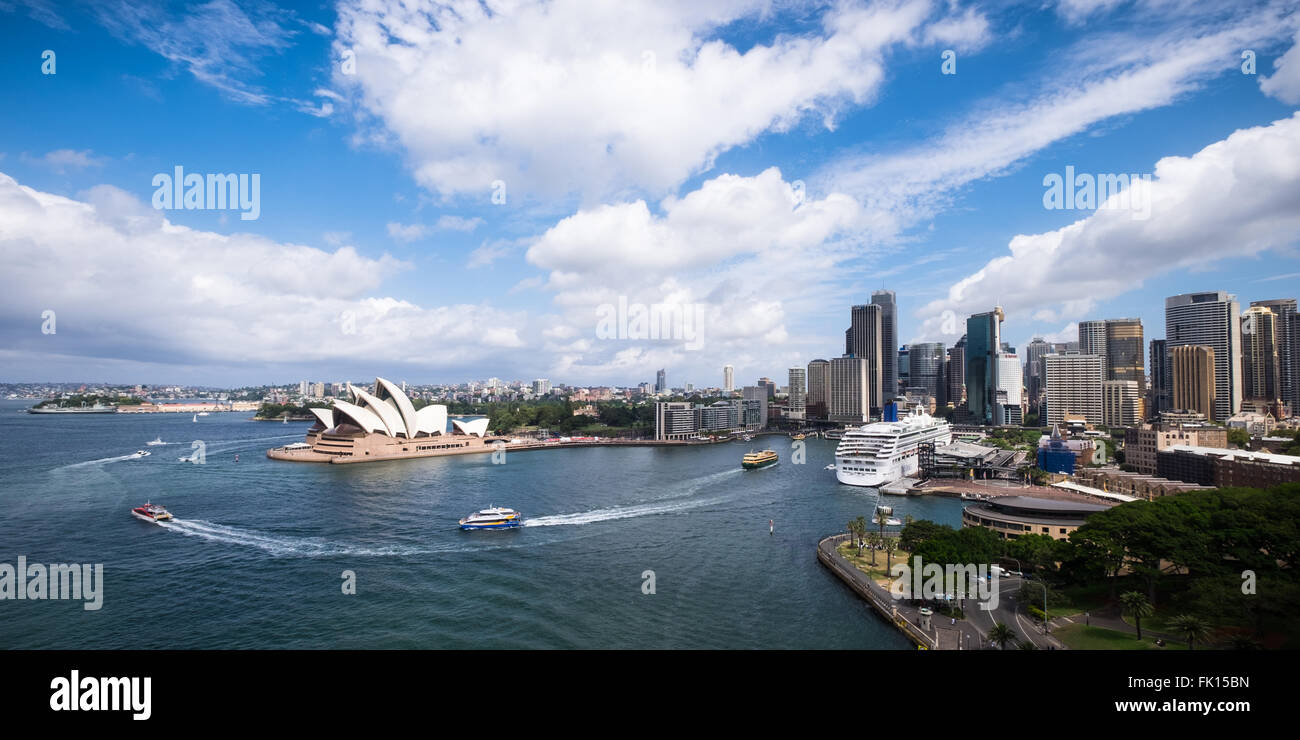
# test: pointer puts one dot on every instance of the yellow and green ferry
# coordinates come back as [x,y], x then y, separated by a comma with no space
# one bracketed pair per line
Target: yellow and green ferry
[755,460]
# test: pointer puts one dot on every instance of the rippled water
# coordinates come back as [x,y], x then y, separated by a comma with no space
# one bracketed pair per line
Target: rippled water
[255,556]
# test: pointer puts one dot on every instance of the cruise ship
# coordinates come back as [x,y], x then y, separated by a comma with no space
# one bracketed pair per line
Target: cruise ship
[879,453]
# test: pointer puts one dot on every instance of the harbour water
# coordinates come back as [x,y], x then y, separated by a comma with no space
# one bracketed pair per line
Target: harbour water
[256,556]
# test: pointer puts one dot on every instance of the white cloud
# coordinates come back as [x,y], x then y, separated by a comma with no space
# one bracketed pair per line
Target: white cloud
[128,284]
[1284,84]
[64,160]
[1234,198]
[595,97]
[459,223]
[407,232]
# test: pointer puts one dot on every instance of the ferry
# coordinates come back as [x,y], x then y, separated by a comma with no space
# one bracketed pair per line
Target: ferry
[756,460]
[155,442]
[493,517]
[151,513]
[875,454]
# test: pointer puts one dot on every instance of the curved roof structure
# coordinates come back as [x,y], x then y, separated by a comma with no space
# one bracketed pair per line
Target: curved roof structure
[432,419]
[477,426]
[359,416]
[392,420]
[396,397]
[390,412]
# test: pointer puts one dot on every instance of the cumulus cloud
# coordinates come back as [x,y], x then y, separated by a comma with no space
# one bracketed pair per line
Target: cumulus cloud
[1284,84]
[63,161]
[1235,198]
[128,284]
[594,97]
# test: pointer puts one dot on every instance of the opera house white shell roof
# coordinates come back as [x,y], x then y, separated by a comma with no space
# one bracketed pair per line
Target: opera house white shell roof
[388,411]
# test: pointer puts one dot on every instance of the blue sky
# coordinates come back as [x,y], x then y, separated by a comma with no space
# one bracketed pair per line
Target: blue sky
[649,152]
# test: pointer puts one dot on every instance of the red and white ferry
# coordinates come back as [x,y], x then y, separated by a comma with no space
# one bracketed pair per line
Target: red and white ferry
[151,513]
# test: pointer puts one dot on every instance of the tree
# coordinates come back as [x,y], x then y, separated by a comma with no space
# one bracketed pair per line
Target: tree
[1135,604]
[1001,634]
[1192,627]
[891,545]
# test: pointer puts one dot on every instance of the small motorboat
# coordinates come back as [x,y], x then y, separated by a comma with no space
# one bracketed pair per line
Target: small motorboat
[831,466]
[155,442]
[203,413]
[151,512]
[889,522]
[142,453]
[493,517]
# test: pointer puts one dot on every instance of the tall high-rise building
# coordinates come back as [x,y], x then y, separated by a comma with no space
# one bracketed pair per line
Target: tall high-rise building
[904,367]
[1007,409]
[864,339]
[303,387]
[1161,381]
[1210,319]
[770,385]
[1121,403]
[661,381]
[1288,348]
[983,344]
[728,378]
[1192,368]
[757,394]
[954,368]
[541,387]
[888,303]
[1092,338]
[1260,366]
[797,403]
[850,390]
[1125,349]
[925,370]
[1073,384]
[819,386]
[1035,351]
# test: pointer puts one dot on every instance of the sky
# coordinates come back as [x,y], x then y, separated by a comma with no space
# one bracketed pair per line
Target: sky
[464,190]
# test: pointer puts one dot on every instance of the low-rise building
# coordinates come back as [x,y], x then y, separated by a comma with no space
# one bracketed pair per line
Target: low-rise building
[1223,468]
[1013,516]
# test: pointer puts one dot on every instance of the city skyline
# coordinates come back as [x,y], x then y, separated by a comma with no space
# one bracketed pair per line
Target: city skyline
[381,231]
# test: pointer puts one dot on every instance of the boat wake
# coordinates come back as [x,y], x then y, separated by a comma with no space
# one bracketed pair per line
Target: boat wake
[667,506]
[101,461]
[281,545]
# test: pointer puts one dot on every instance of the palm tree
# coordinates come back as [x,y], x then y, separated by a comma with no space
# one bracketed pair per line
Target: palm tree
[861,523]
[1135,604]
[873,541]
[853,532]
[1001,634]
[891,544]
[1192,627]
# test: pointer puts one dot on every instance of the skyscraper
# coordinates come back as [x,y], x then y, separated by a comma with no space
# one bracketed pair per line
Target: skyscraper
[1125,350]
[1161,382]
[983,343]
[1288,348]
[798,390]
[1210,319]
[1074,387]
[850,390]
[1260,366]
[925,370]
[863,339]
[955,373]
[661,381]
[819,385]
[1092,338]
[757,394]
[1035,351]
[888,303]
[728,378]
[1195,382]
[1121,403]
[1007,410]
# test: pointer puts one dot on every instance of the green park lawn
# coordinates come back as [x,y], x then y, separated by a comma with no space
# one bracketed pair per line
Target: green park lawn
[1084,637]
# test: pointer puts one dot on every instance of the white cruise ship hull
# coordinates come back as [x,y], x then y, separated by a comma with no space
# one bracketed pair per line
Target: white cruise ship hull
[880,453]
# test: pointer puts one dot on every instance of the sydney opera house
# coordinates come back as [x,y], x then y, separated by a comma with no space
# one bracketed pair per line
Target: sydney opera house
[383,424]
